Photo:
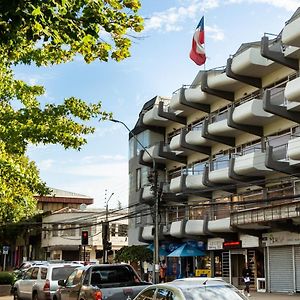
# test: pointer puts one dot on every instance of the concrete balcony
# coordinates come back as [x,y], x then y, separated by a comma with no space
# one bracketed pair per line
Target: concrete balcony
[194,181]
[293,150]
[194,227]
[220,176]
[291,33]
[196,95]
[250,63]
[148,232]
[154,152]
[175,143]
[220,81]
[251,164]
[252,113]
[220,225]
[176,184]
[194,137]
[177,229]
[152,118]
[220,128]
[292,90]
[147,193]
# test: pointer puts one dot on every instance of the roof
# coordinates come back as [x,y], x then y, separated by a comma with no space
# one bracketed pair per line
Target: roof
[62,193]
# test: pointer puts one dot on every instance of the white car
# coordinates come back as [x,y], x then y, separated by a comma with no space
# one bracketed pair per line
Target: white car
[41,281]
[198,288]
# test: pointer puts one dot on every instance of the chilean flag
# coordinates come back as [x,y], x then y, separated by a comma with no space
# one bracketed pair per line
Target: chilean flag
[197,53]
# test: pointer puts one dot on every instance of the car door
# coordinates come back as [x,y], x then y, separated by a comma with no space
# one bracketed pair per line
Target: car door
[72,286]
[29,280]
[23,282]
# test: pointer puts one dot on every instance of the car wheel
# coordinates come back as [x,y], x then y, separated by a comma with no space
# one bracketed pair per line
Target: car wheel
[35,296]
[15,294]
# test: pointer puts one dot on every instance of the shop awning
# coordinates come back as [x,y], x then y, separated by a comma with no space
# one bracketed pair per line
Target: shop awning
[186,250]
[161,251]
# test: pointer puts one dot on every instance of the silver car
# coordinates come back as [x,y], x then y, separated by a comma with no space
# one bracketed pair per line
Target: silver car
[41,281]
[199,288]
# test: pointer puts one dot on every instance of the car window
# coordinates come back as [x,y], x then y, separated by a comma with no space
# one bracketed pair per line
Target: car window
[164,294]
[86,277]
[221,292]
[62,272]
[44,273]
[27,274]
[34,273]
[74,278]
[146,295]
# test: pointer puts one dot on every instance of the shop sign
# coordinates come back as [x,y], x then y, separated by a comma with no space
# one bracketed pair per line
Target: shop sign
[232,245]
[215,244]
[202,273]
[281,238]
[249,241]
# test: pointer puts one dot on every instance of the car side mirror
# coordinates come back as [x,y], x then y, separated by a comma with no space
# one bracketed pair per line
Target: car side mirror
[61,282]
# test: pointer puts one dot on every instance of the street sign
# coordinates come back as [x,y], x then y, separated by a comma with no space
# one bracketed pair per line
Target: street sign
[5,249]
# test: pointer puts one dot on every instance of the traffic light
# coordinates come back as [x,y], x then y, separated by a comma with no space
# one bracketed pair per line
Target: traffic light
[108,245]
[84,237]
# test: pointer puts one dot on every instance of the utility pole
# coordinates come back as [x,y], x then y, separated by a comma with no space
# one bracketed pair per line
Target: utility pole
[105,232]
[156,205]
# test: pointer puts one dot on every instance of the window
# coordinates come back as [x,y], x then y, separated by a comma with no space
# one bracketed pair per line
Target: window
[164,294]
[122,230]
[44,273]
[34,274]
[147,295]
[69,230]
[28,273]
[113,229]
[54,230]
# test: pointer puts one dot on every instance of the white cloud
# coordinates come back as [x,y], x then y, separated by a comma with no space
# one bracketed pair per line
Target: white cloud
[46,164]
[214,33]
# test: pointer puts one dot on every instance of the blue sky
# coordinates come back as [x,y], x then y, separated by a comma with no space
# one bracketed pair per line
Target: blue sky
[159,65]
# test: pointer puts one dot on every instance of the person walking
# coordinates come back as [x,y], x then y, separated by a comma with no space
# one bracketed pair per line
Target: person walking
[162,271]
[247,279]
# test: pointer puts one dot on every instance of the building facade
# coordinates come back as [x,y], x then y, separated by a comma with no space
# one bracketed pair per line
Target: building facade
[62,231]
[227,151]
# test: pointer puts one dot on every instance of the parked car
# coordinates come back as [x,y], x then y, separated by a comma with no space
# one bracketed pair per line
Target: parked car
[25,265]
[102,281]
[198,288]
[40,282]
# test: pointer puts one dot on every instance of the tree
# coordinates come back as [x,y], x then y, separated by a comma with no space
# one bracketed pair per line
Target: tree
[44,32]
[134,254]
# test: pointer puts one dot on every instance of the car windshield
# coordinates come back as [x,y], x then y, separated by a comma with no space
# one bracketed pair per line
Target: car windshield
[62,273]
[222,292]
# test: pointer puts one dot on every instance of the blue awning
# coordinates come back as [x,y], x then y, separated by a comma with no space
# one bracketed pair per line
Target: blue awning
[161,251]
[186,250]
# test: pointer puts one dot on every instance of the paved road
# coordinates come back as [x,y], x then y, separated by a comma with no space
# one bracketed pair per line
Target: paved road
[254,296]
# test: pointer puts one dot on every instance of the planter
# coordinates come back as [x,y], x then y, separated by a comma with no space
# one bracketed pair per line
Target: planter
[5,290]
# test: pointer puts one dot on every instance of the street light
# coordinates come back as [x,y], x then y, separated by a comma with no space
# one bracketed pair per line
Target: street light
[106,207]
[156,229]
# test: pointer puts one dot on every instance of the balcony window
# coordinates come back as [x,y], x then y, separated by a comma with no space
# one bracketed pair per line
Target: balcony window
[250,148]
[138,180]
[177,173]
[197,126]
[176,214]
[122,230]
[198,213]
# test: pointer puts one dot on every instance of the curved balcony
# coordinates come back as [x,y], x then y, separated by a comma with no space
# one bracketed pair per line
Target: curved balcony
[195,227]
[194,137]
[251,164]
[179,104]
[291,33]
[175,143]
[152,118]
[148,232]
[195,182]
[220,81]
[220,225]
[154,152]
[176,184]
[252,113]
[196,95]
[293,150]
[292,90]
[177,229]
[250,63]
[147,193]
[220,128]
[219,171]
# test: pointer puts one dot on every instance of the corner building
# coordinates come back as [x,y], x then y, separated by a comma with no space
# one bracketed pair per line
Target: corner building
[227,150]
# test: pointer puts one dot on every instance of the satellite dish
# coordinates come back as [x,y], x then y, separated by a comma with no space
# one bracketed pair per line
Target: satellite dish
[82,206]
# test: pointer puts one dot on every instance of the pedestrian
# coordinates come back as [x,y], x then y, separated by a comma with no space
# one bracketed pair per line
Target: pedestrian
[162,271]
[247,279]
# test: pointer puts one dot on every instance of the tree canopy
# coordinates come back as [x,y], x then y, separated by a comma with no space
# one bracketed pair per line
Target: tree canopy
[134,254]
[48,32]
